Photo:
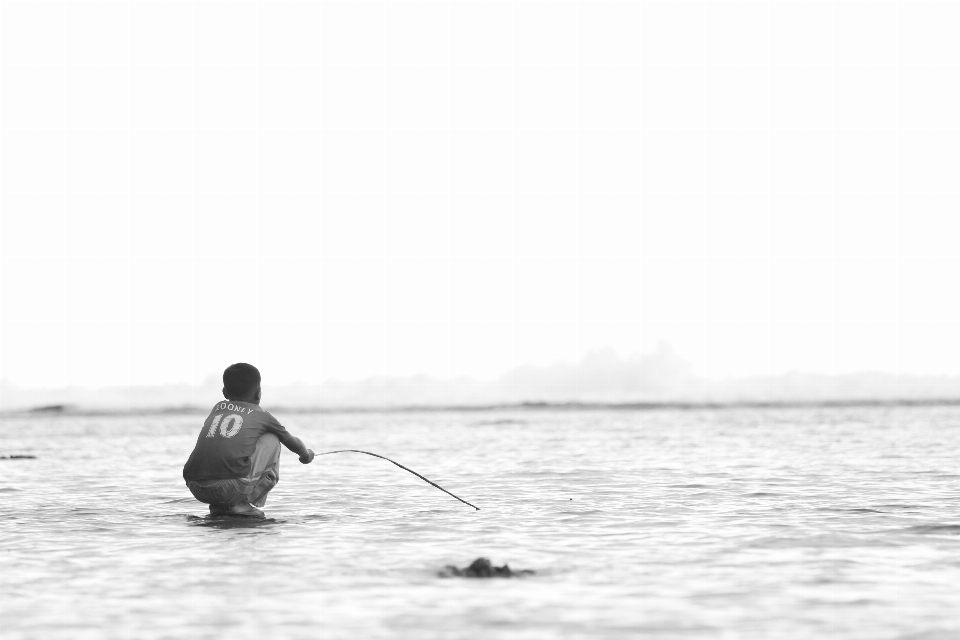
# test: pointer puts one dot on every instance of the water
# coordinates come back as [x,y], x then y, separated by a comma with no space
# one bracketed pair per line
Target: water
[841,523]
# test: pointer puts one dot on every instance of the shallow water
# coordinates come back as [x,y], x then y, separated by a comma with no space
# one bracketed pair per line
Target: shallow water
[747,523]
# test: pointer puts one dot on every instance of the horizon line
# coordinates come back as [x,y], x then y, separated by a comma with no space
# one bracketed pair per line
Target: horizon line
[67,410]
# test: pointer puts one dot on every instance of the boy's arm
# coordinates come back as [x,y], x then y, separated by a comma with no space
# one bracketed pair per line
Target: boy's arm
[296,445]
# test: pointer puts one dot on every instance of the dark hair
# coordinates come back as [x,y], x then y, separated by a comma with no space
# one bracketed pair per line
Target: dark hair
[240,380]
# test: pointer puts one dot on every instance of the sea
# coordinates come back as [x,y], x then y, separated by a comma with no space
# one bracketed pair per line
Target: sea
[725,523]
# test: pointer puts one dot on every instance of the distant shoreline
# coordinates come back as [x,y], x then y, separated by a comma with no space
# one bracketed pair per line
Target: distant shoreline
[68,410]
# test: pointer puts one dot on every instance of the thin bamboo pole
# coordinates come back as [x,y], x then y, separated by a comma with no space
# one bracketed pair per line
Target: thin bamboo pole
[326,453]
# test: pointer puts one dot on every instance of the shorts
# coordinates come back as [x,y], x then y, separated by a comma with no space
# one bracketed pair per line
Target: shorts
[231,491]
[264,475]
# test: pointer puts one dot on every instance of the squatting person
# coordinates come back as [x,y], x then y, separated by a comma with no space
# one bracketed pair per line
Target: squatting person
[236,460]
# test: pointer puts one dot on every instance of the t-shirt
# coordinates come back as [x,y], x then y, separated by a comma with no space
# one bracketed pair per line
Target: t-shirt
[227,441]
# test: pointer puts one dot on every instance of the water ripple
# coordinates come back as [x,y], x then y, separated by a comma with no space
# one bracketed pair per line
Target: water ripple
[760,523]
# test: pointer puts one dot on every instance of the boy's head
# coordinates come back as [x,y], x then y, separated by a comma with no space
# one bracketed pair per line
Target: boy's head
[241,382]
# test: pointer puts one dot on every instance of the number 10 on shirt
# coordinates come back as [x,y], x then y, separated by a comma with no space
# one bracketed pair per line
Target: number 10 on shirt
[229,428]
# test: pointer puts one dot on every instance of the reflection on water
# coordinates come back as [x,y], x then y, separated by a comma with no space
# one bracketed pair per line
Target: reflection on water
[747,523]
[232,523]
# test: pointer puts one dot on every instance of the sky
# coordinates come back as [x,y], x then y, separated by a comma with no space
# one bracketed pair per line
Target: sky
[355,189]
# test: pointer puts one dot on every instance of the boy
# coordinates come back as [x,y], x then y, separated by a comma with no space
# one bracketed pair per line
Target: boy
[236,460]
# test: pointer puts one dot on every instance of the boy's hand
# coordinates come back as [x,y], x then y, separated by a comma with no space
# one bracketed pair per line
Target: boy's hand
[308,458]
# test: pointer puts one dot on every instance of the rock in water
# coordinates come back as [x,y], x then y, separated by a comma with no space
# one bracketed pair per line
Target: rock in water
[483,568]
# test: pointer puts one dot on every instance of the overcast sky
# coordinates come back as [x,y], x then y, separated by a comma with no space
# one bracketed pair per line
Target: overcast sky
[349,189]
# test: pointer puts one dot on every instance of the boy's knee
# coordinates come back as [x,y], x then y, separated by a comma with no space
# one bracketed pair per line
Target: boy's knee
[268,441]
[270,479]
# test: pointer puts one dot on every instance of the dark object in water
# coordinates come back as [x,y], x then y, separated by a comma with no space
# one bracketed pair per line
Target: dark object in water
[50,408]
[18,457]
[427,480]
[236,511]
[236,516]
[230,523]
[483,568]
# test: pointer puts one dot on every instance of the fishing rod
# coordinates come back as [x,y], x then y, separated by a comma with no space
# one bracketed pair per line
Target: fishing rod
[326,453]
